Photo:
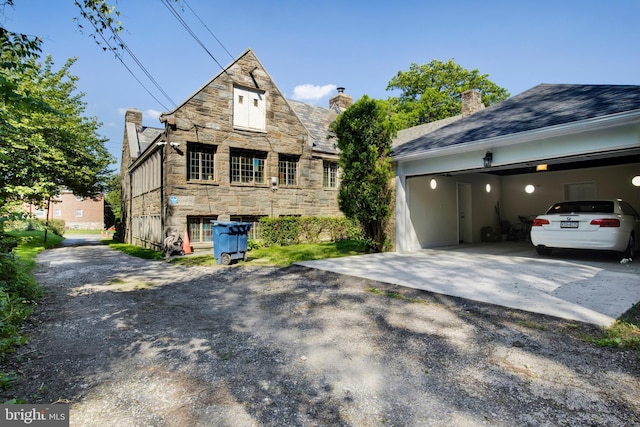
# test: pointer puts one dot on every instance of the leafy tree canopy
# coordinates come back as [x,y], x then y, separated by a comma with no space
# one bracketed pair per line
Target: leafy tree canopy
[48,144]
[45,141]
[113,197]
[364,134]
[432,91]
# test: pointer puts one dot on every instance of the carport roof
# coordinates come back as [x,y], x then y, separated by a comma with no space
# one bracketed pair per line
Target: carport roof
[542,106]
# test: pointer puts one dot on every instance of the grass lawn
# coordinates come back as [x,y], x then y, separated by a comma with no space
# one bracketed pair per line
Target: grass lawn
[66,232]
[286,255]
[283,255]
[135,251]
[31,243]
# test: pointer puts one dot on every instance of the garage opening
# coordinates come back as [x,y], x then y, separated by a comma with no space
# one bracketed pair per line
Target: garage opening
[464,203]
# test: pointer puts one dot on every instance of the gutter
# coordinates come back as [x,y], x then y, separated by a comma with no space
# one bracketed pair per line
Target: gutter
[598,123]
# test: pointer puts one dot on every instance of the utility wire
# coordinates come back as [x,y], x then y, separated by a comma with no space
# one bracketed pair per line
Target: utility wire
[119,56]
[205,25]
[142,67]
[189,30]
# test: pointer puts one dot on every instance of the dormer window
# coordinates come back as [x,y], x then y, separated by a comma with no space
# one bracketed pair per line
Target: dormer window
[249,115]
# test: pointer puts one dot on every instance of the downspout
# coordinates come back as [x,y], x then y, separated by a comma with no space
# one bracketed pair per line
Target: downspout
[162,201]
[130,219]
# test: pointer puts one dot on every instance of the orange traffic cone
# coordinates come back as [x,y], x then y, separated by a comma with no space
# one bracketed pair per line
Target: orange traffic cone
[186,245]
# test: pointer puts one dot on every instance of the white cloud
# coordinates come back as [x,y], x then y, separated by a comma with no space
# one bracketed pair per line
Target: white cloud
[312,92]
[146,115]
[152,114]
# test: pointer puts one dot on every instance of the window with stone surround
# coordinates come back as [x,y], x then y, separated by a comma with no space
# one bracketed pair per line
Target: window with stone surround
[247,167]
[200,229]
[201,162]
[329,174]
[249,109]
[287,170]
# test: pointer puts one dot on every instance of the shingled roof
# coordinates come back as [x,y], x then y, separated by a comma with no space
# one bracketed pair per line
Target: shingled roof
[542,106]
[316,120]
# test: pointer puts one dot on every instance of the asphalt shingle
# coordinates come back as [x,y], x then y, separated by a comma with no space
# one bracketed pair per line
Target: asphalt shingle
[540,107]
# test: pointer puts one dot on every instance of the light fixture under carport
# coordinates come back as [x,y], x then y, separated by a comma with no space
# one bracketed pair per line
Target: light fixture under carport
[433,183]
[636,180]
[487,159]
[530,188]
[541,167]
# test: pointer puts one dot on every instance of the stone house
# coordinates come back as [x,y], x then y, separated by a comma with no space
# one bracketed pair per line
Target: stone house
[235,148]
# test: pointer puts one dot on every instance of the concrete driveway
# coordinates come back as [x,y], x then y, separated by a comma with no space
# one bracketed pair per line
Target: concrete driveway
[592,287]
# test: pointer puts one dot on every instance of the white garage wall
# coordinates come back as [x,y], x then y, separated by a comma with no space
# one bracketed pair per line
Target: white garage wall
[433,212]
[432,218]
[610,182]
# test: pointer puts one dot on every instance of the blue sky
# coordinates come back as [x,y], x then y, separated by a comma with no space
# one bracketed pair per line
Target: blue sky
[309,48]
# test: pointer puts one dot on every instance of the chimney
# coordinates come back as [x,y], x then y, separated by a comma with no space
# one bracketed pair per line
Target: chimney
[134,116]
[471,102]
[340,102]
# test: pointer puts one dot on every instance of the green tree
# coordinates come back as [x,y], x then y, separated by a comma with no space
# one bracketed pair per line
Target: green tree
[113,198]
[364,134]
[432,91]
[50,145]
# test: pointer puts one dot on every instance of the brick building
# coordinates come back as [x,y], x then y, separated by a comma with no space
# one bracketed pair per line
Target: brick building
[235,148]
[78,213]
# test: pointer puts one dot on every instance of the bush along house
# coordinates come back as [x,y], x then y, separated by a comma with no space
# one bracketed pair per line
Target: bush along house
[237,149]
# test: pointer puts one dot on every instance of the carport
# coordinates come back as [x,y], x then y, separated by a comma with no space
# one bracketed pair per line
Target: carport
[550,143]
[578,286]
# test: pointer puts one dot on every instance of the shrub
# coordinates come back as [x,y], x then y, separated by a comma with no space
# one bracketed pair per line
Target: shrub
[281,231]
[291,230]
[253,244]
[17,291]
[57,226]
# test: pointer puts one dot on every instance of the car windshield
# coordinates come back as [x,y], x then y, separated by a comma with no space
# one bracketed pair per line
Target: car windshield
[581,207]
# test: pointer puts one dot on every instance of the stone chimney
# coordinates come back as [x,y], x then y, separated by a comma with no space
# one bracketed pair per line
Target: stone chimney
[132,126]
[340,102]
[134,116]
[471,102]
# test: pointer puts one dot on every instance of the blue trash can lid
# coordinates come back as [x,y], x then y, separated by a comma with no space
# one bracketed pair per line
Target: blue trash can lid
[237,226]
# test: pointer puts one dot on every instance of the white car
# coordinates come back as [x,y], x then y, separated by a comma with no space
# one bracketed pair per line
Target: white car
[610,225]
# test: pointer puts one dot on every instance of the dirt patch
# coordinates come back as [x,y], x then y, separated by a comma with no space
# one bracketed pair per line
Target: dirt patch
[130,342]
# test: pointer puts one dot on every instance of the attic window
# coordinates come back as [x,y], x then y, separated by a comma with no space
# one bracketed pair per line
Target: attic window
[249,115]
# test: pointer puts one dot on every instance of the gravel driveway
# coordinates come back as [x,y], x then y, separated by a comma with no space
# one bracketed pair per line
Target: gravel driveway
[130,342]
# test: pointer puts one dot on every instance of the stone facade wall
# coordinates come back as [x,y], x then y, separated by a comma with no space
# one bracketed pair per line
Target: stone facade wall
[207,118]
[135,117]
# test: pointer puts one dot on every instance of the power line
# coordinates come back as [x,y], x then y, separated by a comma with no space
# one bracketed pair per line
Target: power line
[119,56]
[205,25]
[189,30]
[144,70]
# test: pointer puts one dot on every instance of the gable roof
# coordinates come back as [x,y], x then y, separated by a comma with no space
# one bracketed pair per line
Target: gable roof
[409,134]
[543,106]
[140,140]
[316,120]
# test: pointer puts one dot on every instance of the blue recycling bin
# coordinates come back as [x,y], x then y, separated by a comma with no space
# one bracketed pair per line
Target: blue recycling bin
[230,241]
